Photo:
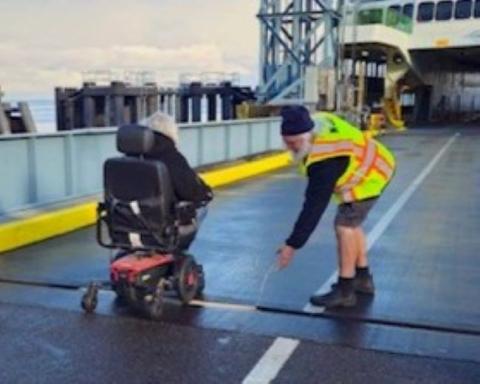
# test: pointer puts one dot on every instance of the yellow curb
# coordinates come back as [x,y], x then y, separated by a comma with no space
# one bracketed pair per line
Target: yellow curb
[43,226]
[229,175]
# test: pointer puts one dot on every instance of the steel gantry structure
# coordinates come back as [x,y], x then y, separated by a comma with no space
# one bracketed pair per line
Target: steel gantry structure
[296,35]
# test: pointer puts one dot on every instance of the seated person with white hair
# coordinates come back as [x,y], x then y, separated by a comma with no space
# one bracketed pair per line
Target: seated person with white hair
[187,185]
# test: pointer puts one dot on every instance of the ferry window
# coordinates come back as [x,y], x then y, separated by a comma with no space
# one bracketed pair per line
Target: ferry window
[370,16]
[393,14]
[463,9]
[395,8]
[425,11]
[444,10]
[408,10]
[477,8]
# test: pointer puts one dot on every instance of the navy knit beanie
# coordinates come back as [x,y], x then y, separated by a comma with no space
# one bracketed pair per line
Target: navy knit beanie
[295,120]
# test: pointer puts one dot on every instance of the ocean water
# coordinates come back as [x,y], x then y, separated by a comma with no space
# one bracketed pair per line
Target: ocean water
[43,112]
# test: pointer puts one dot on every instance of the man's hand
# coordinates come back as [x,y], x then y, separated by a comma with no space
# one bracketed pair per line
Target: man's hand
[285,256]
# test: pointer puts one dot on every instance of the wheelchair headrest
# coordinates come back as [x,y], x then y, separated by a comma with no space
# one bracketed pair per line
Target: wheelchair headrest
[135,139]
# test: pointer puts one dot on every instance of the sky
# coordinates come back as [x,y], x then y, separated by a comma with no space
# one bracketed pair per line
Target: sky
[48,43]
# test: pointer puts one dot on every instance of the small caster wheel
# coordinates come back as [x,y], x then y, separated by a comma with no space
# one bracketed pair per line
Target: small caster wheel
[188,279]
[154,303]
[155,310]
[90,298]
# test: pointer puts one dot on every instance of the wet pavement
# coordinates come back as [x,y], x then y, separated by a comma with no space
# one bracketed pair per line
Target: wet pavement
[52,346]
[425,264]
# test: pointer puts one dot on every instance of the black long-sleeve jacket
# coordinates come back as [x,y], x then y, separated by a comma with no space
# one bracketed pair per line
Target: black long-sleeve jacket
[322,178]
[187,185]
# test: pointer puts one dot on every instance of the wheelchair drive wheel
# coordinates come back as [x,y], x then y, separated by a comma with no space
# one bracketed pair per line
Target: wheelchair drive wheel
[189,279]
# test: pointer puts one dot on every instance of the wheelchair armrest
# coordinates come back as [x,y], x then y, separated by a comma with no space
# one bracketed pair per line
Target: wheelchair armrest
[101,209]
[185,212]
[102,221]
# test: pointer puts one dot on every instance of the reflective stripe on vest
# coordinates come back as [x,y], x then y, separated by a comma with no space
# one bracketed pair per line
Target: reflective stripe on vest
[383,168]
[322,148]
[367,162]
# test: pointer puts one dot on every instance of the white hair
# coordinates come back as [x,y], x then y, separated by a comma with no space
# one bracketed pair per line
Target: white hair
[162,123]
[305,149]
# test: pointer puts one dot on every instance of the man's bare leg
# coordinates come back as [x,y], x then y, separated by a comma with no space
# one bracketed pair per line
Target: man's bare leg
[363,281]
[348,251]
[361,244]
[343,293]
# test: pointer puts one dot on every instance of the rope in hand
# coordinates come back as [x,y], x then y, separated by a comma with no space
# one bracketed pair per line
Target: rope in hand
[273,268]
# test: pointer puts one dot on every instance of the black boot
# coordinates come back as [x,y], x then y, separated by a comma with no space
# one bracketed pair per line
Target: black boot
[364,281]
[341,295]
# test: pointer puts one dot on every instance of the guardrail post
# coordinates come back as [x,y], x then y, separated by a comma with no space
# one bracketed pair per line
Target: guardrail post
[70,174]
[269,135]
[32,170]
[228,128]
[200,146]
[249,138]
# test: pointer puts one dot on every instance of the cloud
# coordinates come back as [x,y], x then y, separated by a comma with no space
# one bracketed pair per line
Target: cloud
[35,70]
[57,40]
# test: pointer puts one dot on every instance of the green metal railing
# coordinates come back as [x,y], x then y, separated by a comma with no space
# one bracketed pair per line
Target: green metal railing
[389,17]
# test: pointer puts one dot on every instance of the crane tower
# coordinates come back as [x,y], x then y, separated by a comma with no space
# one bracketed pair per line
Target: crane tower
[299,45]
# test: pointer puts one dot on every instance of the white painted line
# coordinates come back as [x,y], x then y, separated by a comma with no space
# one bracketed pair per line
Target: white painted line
[385,221]
[268,367]
[387,218]
[195,303]
[217,305]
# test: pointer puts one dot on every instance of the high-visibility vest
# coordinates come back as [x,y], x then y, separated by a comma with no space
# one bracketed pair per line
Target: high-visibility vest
[371,165]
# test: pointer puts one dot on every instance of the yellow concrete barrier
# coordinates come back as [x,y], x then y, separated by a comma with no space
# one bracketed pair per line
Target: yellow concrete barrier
[217,178]
[18,233]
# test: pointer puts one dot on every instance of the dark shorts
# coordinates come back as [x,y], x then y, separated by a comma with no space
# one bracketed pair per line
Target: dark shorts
[353,214]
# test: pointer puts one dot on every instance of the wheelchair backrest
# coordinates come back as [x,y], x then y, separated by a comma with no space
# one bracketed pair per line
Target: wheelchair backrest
[138,194]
